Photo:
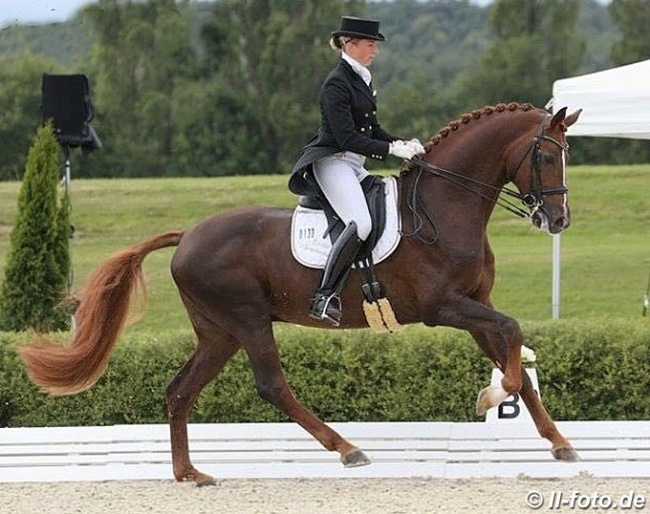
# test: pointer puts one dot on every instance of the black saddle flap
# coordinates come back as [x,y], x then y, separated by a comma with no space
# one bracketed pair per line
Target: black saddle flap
[309,202]
[375,192]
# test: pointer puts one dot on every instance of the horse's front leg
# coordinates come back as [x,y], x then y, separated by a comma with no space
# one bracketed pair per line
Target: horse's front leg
[501,351]
[508,332]
[561,447]
[501,331]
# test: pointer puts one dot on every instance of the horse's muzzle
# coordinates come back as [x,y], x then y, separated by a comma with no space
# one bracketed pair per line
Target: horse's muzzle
[551,224]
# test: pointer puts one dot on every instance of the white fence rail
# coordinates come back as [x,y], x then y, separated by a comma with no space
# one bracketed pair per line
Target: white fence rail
[284,450]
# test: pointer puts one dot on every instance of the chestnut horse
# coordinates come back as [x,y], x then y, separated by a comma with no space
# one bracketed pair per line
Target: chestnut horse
[236,277]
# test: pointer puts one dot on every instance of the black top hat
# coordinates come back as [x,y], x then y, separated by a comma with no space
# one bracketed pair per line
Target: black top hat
[358,27]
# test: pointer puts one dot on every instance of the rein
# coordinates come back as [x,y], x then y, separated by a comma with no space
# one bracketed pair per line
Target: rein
[457,179]
[532,200]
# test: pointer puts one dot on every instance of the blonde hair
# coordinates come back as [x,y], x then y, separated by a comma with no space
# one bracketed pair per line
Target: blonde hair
[338,42]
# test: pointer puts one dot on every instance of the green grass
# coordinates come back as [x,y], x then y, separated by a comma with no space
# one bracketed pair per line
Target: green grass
[605,253]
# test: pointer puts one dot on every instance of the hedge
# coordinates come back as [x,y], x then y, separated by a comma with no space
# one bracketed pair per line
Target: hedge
[587,371]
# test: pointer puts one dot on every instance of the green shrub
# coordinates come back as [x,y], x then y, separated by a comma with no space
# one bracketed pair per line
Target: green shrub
[594,370]
[36,275]
[586,370]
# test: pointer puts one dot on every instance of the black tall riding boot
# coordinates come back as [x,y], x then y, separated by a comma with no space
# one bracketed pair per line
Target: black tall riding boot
[326,303]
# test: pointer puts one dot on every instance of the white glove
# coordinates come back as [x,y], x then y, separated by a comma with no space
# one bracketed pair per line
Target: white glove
[403,149]
[417,146]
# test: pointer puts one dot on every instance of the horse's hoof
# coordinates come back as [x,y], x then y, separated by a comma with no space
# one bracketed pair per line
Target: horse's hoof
[489,397]
[566,454]
[354,459]
[482,405]
[202,480]
[192,475]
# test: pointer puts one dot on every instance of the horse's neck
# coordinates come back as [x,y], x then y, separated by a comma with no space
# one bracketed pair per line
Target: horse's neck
[437,214]
[472,184]
[458,200]
[453,205]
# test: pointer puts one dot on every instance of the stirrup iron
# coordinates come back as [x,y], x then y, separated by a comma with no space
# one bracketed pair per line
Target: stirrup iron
[327,308]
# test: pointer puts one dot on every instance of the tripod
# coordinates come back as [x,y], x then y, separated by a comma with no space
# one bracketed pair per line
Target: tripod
[67,184]
[646,298]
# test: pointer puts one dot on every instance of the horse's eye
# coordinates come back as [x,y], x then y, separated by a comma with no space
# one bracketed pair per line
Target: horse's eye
[549,158]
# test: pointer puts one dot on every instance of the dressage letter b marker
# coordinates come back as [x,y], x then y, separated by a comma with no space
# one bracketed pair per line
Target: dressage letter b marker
[512,409]
[509,409]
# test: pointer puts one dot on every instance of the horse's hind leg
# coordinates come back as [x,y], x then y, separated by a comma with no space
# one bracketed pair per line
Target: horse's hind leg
[215,347]
[273,387]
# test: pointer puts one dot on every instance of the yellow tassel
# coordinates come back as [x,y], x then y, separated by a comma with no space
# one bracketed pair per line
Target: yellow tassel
[388,316]
[380,316]
[373,316]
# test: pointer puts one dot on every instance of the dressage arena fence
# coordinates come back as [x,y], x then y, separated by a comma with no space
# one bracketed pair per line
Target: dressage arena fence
[284,450]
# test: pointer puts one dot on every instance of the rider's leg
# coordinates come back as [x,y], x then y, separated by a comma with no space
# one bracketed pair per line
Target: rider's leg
[326,304]
[338,177]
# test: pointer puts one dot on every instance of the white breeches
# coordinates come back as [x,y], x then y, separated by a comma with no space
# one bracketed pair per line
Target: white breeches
[339,176]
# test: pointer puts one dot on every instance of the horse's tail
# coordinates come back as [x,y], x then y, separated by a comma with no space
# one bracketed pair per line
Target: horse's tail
[99,318]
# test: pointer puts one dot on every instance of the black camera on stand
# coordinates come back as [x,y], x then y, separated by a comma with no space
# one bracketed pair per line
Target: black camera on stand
[66,104]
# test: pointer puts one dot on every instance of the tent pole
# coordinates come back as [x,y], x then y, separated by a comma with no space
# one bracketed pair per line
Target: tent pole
[555,296]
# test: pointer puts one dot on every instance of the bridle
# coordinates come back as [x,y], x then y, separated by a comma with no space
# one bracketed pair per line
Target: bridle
[533,199]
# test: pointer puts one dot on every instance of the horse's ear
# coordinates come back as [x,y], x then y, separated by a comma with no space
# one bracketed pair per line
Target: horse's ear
[558,118]
[572,118]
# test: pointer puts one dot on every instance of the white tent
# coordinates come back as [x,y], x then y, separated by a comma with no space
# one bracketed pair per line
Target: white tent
[614,102]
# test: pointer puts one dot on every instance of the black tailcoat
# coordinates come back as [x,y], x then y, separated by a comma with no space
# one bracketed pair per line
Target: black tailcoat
[348,123]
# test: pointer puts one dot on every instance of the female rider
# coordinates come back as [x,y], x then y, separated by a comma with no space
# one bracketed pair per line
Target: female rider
[349,133]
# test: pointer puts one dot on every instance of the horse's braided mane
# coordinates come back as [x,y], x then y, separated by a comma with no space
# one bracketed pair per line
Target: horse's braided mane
[475,115]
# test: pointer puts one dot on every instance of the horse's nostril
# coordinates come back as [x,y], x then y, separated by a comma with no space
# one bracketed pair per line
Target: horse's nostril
[562,223]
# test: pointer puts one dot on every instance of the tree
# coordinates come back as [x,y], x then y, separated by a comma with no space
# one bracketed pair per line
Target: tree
[142,57]
[633,19]
[270,58]
[20,98]
[536,44]
[38,263]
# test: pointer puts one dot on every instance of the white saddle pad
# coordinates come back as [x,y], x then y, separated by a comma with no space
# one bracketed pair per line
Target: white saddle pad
[310,246]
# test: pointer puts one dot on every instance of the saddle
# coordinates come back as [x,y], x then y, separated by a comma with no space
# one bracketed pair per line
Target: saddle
[374,189]
[381,242]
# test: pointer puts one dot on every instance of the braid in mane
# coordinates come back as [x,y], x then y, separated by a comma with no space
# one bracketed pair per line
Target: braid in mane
[452,126]
[475,115]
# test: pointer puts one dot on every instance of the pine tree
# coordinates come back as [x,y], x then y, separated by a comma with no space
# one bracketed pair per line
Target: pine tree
[36,273]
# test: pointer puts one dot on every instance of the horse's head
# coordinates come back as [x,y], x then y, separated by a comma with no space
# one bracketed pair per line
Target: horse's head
[540,175]
[526,146]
